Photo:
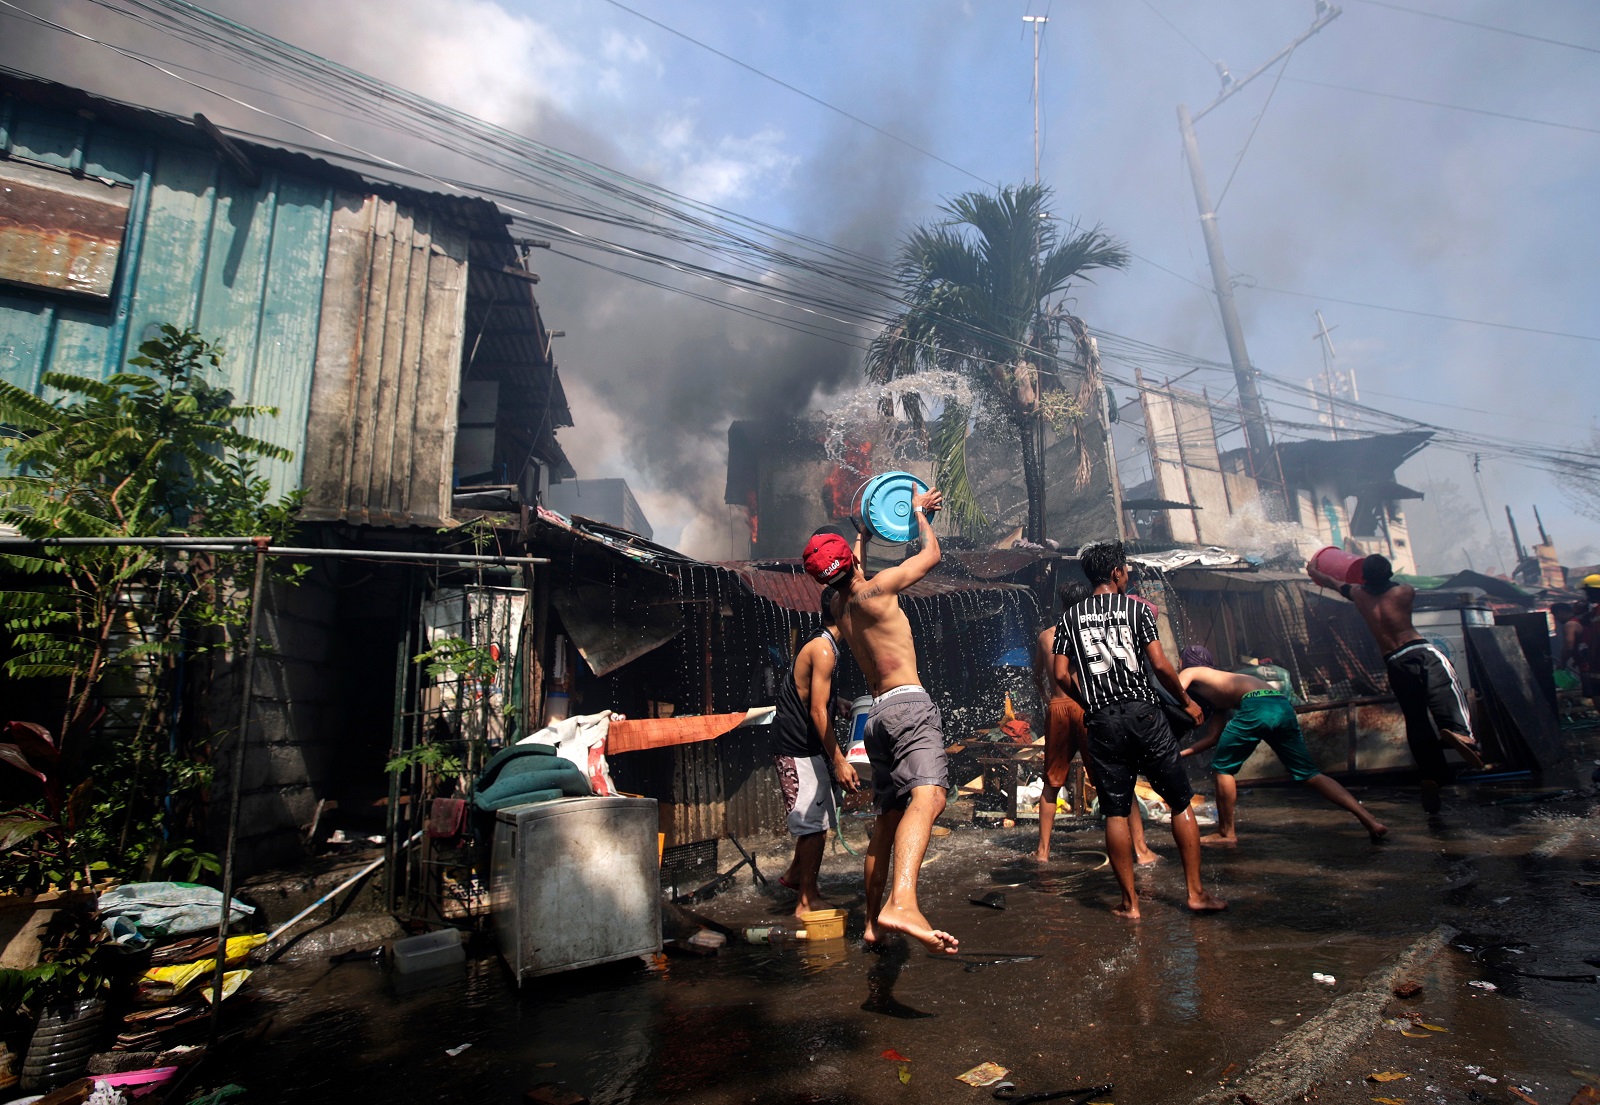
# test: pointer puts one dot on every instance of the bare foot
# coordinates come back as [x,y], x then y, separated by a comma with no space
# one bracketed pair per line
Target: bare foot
[1207,903]
[809,905]
[1378,833]
[1128,911]
[1147,857]
[1041,856]
[1217,840]
[915,925]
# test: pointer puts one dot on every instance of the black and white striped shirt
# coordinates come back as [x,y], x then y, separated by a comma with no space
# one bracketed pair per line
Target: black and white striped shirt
[1105,636]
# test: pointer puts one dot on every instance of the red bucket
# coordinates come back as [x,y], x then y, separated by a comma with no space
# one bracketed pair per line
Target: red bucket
[1342,566]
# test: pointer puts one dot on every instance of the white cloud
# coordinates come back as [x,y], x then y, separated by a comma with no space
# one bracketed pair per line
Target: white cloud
[618,48]
[473,55]
[730,168]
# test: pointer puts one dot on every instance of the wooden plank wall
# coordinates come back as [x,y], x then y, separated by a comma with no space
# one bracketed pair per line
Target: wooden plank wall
[381,432]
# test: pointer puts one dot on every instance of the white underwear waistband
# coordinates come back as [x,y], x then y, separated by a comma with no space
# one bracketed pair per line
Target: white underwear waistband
[901,689]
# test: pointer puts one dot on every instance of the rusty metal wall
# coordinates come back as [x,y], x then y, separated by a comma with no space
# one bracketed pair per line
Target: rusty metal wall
[59,232]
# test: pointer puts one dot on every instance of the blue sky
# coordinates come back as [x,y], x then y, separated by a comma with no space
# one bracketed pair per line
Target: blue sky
[1341,195]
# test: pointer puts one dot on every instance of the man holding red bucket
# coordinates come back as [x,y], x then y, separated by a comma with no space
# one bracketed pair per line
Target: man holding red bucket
[1419,674]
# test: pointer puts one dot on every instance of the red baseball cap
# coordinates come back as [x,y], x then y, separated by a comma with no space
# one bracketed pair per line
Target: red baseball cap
[826,556]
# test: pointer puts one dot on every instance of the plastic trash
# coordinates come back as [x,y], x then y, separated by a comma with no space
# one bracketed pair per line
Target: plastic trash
[984,1074]
[772,934]
[1481,985]
[1326,980]
[994,900]
[894,1056]
[457,1050]
[137,912]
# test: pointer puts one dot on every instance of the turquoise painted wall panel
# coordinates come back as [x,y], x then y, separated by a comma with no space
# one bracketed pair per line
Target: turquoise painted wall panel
[80,343]
[176,236]
[114,156]
[25,327]
[291,309]
[243,266]
[51,139]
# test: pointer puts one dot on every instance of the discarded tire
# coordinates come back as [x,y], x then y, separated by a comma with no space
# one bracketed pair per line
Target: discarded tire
[62,1043]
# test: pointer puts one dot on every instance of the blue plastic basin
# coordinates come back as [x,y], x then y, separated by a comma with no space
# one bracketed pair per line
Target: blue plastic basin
[886,506]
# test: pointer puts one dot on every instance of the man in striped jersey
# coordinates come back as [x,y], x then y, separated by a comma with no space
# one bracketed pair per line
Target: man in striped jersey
[1099,659]
[1419,674]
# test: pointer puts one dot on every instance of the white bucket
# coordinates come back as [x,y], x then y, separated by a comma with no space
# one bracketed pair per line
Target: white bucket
[857,753]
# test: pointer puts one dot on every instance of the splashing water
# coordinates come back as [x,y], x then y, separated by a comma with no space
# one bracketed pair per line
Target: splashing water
[1249,530]
[862,408]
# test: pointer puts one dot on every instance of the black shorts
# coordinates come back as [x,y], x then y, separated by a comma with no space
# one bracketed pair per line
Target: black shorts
[1129,739]
[1430,697]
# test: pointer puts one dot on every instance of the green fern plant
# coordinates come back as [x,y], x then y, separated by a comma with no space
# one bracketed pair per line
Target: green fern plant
[154,451]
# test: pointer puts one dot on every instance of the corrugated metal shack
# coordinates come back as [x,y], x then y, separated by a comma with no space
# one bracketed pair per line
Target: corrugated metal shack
[376,318]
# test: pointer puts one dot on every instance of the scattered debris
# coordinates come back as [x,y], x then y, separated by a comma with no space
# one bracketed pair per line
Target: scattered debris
[984,1074]
[1481,985]
[905,1075]
[1415,1035]
[1326,980]
[1586,1095]
[1410,988]
[457,1050]
[1387,1076]
[1006,1091]
[1433,1027]
[553,1093]
[994,900]
[1390,1100]
[893,1056]
[1521,1094]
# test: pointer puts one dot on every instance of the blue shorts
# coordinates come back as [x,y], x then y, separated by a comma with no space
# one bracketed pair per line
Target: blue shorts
[1264,716]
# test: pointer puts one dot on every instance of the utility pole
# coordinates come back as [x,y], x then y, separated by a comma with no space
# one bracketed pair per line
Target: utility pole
[1325,336]
[1255,425]
[1483,500]
[1038,22]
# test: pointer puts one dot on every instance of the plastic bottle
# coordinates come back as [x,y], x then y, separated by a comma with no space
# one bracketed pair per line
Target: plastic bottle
[772,934]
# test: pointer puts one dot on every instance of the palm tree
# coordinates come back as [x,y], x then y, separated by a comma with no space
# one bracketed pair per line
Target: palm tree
[983,292]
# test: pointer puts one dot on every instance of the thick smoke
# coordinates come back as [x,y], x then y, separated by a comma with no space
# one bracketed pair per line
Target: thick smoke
[653,377]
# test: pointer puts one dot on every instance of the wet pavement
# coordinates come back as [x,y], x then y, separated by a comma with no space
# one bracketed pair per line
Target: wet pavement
[1165,1008]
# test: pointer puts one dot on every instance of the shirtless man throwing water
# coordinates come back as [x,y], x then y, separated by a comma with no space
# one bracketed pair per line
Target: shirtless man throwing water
[1419,674]
[910,773]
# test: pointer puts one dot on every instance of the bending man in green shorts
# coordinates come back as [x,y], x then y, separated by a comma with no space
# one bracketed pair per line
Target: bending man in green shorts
[1258,713]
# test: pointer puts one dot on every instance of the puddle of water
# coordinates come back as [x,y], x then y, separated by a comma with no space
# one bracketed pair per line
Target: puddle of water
[1063,992]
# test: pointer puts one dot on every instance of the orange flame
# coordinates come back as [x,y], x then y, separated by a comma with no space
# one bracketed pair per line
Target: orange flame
[751,517]
[854,467]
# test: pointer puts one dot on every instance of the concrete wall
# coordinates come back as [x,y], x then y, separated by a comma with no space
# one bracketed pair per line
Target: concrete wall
[323,710]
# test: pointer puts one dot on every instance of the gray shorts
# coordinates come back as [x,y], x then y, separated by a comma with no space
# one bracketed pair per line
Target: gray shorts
[906,746]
